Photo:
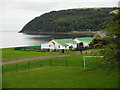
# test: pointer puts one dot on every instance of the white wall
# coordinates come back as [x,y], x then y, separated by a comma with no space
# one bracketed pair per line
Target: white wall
[45,46]
[74,45]
[84,43]
[52,46]
[56,45]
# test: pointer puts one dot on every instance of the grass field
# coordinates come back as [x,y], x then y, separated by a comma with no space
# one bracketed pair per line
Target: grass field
[11,54]
[62,72]
[73,61]
[61,77]
[68,61]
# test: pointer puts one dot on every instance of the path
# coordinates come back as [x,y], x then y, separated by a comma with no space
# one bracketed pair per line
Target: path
[37,58]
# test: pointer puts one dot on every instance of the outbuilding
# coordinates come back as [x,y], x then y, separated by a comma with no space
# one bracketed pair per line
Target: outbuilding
[99,35]
[86,41]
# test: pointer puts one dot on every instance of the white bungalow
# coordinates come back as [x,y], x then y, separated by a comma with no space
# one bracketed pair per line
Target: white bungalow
[58,44]
[86,41]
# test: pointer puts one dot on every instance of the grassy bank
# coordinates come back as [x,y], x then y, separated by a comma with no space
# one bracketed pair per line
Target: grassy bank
[11,54]
[67,61]
[73,61]
[60,72]
[61,77]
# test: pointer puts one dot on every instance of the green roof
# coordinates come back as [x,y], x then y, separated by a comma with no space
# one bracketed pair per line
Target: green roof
[64,41]
[86,39]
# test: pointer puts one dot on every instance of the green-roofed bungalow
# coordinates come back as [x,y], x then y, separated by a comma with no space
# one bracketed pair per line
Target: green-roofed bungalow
[59,44]
[85,40]
[65,43]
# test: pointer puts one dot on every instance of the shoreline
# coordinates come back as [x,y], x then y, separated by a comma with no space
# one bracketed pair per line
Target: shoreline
[69,34]
[64,33]
[17,46]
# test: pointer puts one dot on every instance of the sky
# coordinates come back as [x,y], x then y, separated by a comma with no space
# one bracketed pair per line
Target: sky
[14,14]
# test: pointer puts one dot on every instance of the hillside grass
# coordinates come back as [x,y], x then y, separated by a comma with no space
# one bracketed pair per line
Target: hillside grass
[67,61]
[73,61]
[61,77]
[9,54]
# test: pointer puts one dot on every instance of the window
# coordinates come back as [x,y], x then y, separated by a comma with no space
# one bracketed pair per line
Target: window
[53,43]
[58,46]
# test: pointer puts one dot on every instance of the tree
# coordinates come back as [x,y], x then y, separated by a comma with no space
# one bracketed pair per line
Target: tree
[98,43]
[69,20]
[112,50]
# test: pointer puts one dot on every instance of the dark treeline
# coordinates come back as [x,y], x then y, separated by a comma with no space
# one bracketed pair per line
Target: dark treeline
[70,20]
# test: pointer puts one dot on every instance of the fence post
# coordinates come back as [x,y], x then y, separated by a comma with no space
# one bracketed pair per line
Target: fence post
[40,63]
[66,62]
[50,62]
[16,67]
[28,65]
[2,69]
[84,63]
[91,52]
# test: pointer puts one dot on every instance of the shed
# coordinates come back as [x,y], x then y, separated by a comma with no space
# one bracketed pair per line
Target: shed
[99,35]
[85,40]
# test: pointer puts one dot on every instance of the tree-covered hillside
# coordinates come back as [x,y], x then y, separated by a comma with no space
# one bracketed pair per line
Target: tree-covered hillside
[70,20]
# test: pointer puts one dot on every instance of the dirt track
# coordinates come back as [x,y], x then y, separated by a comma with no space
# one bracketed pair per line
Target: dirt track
[37,58]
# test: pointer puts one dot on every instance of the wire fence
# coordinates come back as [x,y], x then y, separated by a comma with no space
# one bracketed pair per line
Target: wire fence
[38,64]
[66,63]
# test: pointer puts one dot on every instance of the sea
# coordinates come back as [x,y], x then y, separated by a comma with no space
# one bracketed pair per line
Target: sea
[14,39]
[10,39]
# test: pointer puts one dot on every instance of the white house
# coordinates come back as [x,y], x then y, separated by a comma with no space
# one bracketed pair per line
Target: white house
[59,44]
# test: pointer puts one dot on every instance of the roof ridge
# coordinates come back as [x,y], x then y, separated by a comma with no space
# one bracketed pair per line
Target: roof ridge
[63,39]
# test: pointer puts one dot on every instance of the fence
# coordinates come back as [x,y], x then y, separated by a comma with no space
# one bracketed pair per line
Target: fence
[54,62]
[37,64]
[98,62]
[27,48]
[88,63]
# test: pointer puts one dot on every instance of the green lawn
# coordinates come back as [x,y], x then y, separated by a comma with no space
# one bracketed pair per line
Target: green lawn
[62,72]
[61,77]
[67,61]
[11,54]
[73,61]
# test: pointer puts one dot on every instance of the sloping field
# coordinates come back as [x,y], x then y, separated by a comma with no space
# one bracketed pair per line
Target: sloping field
[61,77]
[72,61]
[9,54]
